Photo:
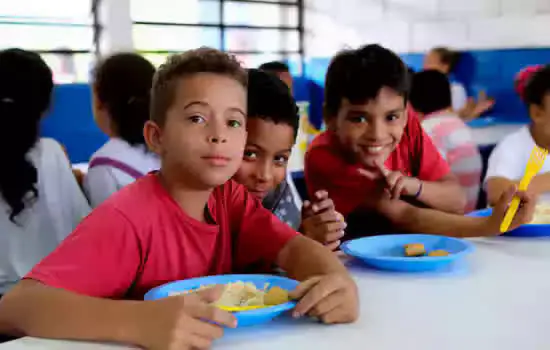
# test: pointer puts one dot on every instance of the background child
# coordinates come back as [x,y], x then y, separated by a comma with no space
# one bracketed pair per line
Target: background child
[187,220]
[365,99]
[509,158]
[431,98]
[281,70]
[121,107]
[272,125]
[40,201]
[444,60]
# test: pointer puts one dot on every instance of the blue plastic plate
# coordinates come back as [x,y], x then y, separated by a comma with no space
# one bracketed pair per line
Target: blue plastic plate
[387,252]
[529,230]
[244,318]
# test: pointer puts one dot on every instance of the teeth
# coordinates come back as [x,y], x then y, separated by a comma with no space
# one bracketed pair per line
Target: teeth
[375,149]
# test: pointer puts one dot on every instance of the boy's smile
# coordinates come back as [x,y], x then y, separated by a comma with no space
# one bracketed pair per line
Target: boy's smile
[371,131]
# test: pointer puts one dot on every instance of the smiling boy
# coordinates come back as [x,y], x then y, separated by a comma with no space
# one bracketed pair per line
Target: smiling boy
[375,159]
[272,126]
[187,220]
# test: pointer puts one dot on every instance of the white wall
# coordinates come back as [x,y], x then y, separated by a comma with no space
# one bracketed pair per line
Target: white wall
[417,25]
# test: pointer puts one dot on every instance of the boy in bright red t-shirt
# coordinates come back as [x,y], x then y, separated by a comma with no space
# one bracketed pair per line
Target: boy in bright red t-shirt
[375,159]
[185,221]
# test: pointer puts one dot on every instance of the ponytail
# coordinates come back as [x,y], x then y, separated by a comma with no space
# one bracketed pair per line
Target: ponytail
[25,89]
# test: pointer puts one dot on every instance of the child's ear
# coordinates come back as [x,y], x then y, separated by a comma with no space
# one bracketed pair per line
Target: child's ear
[152,134]
[535,112]
[329,119]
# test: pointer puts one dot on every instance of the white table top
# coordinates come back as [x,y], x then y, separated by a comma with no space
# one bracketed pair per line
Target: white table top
[498,300]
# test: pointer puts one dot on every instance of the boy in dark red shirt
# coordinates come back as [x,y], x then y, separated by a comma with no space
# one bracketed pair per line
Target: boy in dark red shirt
[375,157]
[185,221]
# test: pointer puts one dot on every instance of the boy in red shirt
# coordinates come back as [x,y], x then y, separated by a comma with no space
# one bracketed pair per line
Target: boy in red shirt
[272,125]
[375,157]
[185,221]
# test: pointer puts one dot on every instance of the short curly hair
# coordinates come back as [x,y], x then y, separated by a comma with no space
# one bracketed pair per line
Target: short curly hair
[201,60]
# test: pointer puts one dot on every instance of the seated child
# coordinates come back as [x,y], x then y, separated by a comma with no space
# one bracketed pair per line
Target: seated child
[509,158]
[431,98]
[281,70]
[40,201]
[365,99]
[272,126]
[121,107]
[374,157]
[187,220]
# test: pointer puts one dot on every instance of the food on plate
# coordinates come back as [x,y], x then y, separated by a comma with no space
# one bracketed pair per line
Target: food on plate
[542,214]
[438,252]
[414,249]
[236,294]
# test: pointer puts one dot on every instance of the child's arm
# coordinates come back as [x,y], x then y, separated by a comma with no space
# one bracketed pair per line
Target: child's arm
[34,309]
[415,219]
[445,195]
[328,291]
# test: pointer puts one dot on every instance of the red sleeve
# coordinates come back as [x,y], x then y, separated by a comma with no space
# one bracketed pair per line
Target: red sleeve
[100,258]
[324,170]
[432,165]
[260,234]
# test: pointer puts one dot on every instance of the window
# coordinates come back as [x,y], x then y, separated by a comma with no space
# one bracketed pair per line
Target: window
[256,31]
[62,31]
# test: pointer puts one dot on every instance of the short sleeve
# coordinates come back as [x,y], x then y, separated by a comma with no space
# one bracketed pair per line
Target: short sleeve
[459,96]
[100,258]
[72,206]
[503,163]
[260,234]
[99,184]
[433,166]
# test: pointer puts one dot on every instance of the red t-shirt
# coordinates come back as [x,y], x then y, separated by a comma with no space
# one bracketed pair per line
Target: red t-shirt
[140,238]
[327,169]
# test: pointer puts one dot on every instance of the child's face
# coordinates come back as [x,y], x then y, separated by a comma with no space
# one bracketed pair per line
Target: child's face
[371,131]
[432,61]
[266,156]
[540,115]
[202,140]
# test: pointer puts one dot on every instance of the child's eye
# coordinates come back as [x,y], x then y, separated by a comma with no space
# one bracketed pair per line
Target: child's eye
[234,123]
[280,160]
[197,119]
[392,117]
[358,119]
[250,155]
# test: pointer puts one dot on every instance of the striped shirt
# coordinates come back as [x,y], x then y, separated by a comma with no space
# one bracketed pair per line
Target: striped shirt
[454,140]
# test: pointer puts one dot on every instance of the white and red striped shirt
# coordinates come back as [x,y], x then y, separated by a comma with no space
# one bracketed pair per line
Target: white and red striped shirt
[454,140]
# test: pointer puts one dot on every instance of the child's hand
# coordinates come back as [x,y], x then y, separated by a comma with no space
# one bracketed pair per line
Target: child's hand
[185,322]
[321,222]
[523,215]
[396,183]
[331,298]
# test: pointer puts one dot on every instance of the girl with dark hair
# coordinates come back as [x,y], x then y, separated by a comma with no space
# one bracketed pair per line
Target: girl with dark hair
[40,200]
[445,60]
[121,89]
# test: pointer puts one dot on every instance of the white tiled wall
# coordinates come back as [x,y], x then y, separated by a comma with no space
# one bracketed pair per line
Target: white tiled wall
[418,25]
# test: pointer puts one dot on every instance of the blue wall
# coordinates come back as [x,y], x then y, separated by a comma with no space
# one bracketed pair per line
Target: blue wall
[491,70]
[71,121]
